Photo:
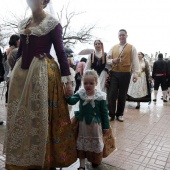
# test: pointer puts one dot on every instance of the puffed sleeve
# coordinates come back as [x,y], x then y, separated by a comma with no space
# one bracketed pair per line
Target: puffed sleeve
[57,40]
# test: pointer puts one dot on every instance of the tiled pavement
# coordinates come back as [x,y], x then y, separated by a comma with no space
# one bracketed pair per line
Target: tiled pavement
[142,140]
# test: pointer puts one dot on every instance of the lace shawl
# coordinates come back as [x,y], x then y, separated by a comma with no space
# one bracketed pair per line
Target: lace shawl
[47,24]
[99,95]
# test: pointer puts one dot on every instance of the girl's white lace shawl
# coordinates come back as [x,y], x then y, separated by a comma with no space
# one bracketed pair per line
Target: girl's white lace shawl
[99,95]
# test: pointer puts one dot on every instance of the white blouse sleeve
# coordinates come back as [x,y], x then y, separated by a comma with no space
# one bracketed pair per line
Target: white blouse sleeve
[108,60]
[135,61]
[88,64]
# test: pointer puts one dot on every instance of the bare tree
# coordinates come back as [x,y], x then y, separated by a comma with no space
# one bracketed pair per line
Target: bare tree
[9,26]
[10,23]
[3,38]
[70,36]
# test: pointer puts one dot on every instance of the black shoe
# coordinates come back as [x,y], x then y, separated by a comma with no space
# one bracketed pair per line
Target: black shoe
[112,118]
[165,101]
[138,107]
[81,168]
[95,165]
[154,100]
[1,122]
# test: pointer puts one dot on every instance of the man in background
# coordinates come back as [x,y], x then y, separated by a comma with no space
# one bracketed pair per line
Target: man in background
[123,59]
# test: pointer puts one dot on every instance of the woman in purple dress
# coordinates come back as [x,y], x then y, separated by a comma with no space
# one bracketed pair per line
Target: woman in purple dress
[39,133]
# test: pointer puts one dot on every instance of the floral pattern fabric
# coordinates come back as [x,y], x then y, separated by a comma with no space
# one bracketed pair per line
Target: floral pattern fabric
[39,132]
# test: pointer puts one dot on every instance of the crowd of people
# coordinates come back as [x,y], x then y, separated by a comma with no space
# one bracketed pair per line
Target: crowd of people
[39,133]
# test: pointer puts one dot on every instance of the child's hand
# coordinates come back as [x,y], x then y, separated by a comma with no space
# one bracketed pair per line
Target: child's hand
[105,131]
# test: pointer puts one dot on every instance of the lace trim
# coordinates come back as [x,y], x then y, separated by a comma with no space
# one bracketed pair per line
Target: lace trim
[27,121]
[99,95]
[90,144]
[48,24]
[70,78]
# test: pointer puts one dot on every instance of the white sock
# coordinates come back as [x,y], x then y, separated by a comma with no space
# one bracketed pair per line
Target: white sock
[155,94]
[168,92]
[82,163]
[164,94]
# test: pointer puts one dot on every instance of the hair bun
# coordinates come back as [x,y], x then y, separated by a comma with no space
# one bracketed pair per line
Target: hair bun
[46,1]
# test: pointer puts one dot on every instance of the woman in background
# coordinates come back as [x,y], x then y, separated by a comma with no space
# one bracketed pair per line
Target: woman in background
[9,63]
[140,90]
[79,73]
[97,61]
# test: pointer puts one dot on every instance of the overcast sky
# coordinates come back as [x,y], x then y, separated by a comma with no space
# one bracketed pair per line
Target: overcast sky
[146,21]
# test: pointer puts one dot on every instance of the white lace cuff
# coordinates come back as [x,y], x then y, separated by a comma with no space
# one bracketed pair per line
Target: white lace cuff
[66,79]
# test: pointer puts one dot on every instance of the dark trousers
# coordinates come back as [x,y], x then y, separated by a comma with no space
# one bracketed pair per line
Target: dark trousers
[117,92]
[6,94]
[168,83]
[160,80]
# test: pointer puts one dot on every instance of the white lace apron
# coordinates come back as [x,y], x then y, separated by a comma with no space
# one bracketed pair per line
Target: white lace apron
[27,115]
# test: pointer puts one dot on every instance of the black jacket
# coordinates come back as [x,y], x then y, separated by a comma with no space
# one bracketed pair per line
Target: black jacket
[160,67]
[2,72]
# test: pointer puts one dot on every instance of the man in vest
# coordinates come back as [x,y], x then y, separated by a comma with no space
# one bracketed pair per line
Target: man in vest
[124,60]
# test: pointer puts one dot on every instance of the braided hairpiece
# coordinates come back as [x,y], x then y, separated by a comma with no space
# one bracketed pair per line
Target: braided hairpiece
[103,57]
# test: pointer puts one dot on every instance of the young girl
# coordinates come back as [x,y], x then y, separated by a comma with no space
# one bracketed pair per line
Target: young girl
[93,120]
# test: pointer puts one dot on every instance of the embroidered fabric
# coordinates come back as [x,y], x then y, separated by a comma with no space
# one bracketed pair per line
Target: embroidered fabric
[27,123]
[99,95]
[90,137]
[48,24]
[43,28]
[139,88]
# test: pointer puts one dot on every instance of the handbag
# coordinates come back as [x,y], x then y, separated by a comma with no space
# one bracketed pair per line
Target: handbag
[109,143]
[107,82]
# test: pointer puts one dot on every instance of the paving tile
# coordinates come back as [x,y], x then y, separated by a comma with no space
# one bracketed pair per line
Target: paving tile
[142,140]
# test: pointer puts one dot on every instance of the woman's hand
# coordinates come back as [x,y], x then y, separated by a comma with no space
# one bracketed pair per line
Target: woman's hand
[135,79]
[68,90]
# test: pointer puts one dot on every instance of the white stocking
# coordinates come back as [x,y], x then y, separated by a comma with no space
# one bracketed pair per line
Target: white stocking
[82,163]
[169,91]
[164,95]
[155,94]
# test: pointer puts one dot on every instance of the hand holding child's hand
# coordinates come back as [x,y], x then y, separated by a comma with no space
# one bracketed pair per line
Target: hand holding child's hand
[68,90]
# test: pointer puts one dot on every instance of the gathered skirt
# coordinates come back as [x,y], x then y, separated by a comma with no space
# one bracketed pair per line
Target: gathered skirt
[39,133]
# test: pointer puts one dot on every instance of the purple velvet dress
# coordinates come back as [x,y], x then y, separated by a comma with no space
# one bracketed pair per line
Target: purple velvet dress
[42,44]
